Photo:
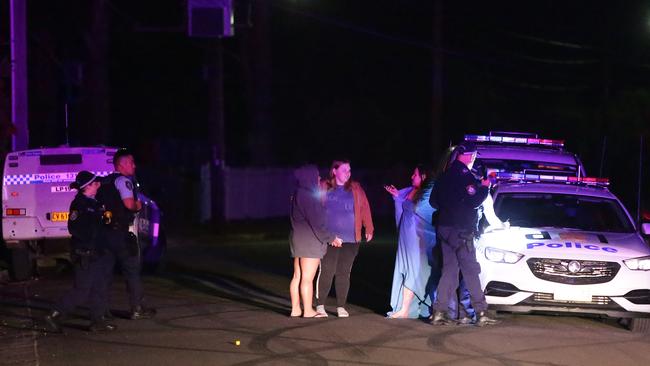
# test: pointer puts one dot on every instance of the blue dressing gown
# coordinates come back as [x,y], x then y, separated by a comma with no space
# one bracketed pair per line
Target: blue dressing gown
[414,260]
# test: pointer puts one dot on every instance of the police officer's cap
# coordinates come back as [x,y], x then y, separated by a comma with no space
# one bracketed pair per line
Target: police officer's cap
[466,147]
[83,179]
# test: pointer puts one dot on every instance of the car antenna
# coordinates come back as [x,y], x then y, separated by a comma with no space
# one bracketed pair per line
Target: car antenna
[67,132]
[638,193]
[579,172]
[602,157]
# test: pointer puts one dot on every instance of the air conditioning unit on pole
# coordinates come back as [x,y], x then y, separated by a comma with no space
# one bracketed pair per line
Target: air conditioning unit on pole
[210,18]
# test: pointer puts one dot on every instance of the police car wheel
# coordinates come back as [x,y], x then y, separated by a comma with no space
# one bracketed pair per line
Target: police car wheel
[639,325]
[22,264]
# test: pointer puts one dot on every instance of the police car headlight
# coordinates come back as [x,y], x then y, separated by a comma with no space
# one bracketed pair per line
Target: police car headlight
[638,264]
[502,256]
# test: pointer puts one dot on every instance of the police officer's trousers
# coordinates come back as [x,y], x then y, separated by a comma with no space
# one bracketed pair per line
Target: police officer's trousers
[129,265]
[458,256]
[89,284]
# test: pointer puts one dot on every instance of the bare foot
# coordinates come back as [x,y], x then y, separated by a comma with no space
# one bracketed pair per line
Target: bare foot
[398,315]
[296,313]
[309,314]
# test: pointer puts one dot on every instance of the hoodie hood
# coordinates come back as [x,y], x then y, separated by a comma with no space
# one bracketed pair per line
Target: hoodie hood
[307,176]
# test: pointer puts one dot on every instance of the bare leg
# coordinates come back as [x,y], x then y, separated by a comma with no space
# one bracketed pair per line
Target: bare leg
[309,267]
[294,289]
[406,303]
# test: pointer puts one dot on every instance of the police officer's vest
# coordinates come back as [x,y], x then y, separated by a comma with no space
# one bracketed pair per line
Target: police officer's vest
[83,222]
[109,196]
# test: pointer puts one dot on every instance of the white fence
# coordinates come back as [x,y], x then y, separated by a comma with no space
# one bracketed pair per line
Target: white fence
[258,193]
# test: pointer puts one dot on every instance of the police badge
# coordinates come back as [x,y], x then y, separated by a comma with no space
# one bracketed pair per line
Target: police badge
[73,215]
[471,190]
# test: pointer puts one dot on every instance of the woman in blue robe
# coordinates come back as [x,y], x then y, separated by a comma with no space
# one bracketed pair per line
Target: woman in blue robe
[413,284]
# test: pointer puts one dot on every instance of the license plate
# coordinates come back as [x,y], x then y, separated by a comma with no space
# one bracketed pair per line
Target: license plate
[60,189]
[572,295]
[59,216]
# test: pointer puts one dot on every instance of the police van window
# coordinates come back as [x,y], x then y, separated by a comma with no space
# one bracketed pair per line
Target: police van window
[563,211]
[61,159]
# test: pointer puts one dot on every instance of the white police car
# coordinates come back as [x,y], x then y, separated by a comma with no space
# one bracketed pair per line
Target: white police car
[36,198]
[524,152]
[572,248]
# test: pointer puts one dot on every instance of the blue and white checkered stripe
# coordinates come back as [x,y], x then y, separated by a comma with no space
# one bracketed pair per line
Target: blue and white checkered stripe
[17,179]
[20,179]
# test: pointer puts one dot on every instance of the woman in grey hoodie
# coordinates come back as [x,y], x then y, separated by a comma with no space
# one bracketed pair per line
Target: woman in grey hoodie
[308,240]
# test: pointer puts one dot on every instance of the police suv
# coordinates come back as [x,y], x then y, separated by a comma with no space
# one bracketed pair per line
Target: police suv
[572,247]
[36,197]
[524,152]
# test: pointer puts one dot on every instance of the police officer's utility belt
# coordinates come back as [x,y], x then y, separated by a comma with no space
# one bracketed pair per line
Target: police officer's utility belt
[84,252]
[468,234]
[118,226]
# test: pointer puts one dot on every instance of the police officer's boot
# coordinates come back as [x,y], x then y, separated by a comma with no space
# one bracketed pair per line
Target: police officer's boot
[101,325]
[466,320]
[108,315]
[482,319]
[441,318]
[140,312]
[52,321]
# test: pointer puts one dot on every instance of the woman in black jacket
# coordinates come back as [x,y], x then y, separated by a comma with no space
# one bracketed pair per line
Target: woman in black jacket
[308,239]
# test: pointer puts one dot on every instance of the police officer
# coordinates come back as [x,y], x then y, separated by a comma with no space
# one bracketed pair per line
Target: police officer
[458,195]
[119,196]
[90,257]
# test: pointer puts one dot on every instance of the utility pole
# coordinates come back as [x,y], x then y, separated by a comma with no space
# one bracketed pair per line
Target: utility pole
[216,129]
[97,83]
[256,65]
[438,79]
[212,20]
[18,20]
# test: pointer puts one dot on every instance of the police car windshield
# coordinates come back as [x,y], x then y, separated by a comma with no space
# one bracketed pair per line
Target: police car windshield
[562,210]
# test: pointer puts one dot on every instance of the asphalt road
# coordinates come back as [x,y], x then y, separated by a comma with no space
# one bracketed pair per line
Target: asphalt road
[217,290]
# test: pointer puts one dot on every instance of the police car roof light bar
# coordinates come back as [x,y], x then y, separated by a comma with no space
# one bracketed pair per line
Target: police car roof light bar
[545,178]
[515,140]
[514,134]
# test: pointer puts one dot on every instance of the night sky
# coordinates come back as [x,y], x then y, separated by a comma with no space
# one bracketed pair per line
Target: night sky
[309,80]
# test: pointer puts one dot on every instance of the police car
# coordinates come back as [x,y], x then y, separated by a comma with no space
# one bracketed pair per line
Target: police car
[572,248]
[524,152]
[36,198]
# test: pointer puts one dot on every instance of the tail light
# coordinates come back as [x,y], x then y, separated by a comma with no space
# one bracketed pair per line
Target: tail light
[15,212]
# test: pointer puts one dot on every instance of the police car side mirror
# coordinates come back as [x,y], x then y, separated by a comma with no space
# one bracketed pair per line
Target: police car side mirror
[645,228]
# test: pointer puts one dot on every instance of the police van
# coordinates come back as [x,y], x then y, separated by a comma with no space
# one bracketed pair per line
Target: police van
[36,198]
[572,247]
[524,152]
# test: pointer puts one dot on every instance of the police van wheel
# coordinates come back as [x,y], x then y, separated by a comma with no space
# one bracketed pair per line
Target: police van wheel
[22,265]
[639,325]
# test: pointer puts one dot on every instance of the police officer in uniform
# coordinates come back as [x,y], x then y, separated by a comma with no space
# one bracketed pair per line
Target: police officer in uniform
[89,255]
[119,196]
[458,195]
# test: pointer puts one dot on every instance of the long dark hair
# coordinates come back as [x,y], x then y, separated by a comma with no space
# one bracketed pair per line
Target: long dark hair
[424,169]
[331,181]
